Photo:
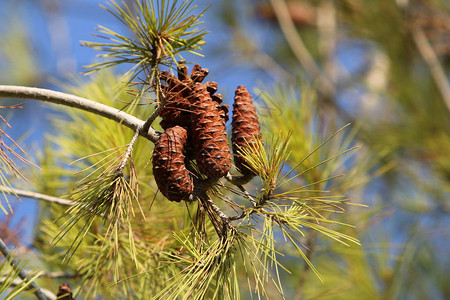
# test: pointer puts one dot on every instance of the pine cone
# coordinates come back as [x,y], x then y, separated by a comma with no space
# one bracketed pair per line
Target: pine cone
[176,109]
[173,179]
[178,91]
[64,292]
[245,127]
[209,138]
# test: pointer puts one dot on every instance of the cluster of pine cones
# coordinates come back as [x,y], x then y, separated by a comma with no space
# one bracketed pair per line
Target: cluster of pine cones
[194,123]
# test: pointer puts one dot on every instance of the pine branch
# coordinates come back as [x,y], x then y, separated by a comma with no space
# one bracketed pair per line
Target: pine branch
[34,195]
[298,47]
[57,275]
[432,61]
[11,91]
[310,245]
[147,125]
[225,225]
[15,265]
[48,294]
[295,42]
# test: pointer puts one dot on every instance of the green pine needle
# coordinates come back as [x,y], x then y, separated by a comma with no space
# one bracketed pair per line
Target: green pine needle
[110,197]
[290,208]
[207,269]
[9,290]
[8,155]
[161,33]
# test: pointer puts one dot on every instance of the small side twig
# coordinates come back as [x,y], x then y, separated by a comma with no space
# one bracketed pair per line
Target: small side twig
[298,47]
[34,195]
[128,152]
[239,182]
[247,195]
[15,265]
[57,275]
[225,220]
[216,209]
[239,217]
[431,59]
[310,243]
[152,118]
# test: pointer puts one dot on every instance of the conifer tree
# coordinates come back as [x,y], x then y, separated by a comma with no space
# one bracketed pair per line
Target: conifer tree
[148,191]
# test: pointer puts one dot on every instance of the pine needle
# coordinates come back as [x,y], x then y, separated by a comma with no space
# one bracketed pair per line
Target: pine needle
[161,33]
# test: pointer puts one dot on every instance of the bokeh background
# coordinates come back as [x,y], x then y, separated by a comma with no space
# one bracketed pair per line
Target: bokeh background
[382,65]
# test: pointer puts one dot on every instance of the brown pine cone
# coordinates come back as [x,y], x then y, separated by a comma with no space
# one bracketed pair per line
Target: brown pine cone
[209,139]
[64,292]
[173,179]
[176,109]
[177,92]
[245,127]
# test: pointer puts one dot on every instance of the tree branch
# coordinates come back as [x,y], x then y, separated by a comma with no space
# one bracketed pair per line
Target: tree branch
[57,275]
[14,264]
[147,125]
[297,46]
[46,292]
[310,244]
[34,195]
[211,209]
[11,91]
[327,34]
[431,59]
